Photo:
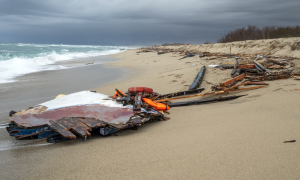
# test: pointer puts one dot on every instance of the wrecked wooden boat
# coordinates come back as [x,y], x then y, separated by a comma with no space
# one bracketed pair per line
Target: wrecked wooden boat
[77,115]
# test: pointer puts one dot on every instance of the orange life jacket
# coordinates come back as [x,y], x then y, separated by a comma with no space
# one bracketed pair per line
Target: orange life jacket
[116,94]
[158,106]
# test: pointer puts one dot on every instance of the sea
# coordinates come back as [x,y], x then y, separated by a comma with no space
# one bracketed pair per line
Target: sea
[20,59]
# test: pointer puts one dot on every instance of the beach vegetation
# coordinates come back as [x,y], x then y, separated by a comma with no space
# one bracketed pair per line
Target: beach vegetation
[253,33]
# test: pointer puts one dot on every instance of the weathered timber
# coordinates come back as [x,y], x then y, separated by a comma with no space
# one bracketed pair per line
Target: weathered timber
[259,65]
[232,80]
[188,103]
[181,93]
[256,83]
[198,79]
[210,93]
[275,61]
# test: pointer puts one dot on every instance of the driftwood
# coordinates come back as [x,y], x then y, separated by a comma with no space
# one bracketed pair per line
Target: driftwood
[187,103]
[210,93]
[198,79]
[231,81]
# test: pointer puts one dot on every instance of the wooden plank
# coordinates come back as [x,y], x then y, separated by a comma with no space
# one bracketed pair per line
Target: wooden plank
[260,66]
[246,66]
[227,89]
[214,93]
[79,127]
[274,61]
[243,89]
[92,122]
[61,130]
[231,81]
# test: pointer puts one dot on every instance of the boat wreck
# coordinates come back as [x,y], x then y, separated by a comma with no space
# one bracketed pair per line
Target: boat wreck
[77,114]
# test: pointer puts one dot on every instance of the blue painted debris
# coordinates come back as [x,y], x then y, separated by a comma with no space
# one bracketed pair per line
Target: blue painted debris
[107,131]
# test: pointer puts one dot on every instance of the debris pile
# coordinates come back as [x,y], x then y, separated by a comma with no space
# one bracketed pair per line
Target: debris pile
[257,67]
[77,114]
[85,113]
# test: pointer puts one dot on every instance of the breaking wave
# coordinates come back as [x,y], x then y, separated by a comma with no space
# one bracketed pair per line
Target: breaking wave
[20,59]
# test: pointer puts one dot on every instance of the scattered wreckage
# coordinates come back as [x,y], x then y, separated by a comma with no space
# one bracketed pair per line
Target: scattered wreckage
[256,67]
[85,113]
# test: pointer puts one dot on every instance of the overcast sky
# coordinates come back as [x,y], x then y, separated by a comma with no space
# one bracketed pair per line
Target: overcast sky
[132,22]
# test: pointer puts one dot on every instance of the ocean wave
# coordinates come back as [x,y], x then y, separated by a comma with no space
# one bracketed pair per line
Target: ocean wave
[11,67]
[21,44]
[19,66]
[54,56]
[78,46]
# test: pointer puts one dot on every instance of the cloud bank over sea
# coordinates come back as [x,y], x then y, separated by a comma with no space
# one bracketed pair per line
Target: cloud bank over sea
[137,22]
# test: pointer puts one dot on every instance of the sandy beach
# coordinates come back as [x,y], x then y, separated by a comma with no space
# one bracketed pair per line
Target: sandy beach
[239,139]
[149,90]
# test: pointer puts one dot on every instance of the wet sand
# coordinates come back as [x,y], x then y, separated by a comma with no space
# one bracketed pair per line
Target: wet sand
[239,139]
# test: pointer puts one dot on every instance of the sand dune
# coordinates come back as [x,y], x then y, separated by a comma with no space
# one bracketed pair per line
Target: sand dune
[281,47]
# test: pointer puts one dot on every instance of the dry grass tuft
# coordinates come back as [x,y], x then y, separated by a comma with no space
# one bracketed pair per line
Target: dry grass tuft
[273,46]
[294,47]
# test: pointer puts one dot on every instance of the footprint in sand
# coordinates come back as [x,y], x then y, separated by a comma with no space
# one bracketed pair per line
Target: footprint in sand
[277,89]
[254,96]
[290,84]
[178,76]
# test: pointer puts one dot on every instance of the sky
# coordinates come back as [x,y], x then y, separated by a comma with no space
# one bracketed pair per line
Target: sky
[133,22]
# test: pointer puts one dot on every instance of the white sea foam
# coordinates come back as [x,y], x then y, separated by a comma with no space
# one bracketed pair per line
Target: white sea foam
[11,67]
[3,125]
[20,66]
[21,44]
[8,145]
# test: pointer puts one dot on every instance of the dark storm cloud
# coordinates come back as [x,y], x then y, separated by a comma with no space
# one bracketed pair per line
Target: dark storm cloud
[119,22]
